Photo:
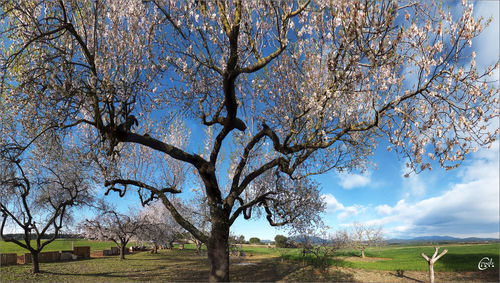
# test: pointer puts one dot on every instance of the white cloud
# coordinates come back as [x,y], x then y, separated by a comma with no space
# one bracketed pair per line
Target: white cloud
[469,208]
[332,204]
[350,181]
[351,211]
[344,212]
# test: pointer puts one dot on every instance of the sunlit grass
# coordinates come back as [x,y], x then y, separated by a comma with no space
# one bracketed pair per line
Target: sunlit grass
[458,258]
[59,245]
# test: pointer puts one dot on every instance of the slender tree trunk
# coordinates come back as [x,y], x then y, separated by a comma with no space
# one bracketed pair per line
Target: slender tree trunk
[431,272]
[362,252]
[432,260]
[218,251]
[36,263]
[169,245]
[198,247]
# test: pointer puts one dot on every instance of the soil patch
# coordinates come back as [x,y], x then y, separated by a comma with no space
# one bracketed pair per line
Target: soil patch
[342,274]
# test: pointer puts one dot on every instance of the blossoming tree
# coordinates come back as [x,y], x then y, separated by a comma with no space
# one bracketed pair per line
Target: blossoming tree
[285,89]
[111,225]
[158,227]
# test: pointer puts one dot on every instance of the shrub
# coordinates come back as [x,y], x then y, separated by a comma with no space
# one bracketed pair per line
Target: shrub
[254,240]
[281,241]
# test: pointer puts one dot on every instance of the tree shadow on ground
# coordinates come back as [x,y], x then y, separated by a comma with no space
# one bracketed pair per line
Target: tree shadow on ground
[273,269]
[407,277]
[178,272]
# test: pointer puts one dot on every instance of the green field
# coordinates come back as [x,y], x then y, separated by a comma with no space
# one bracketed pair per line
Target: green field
[59,245]
[458,257]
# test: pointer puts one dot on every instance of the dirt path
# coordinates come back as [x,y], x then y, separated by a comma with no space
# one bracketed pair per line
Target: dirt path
[344,274]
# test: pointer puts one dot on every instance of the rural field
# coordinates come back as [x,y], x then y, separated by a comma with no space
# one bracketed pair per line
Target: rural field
[264,264]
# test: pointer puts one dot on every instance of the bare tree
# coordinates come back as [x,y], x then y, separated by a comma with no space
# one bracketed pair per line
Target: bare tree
[433,260]
[321,246]
[362,236]
[340,239]
[110,225]
[288,89]
[40,185]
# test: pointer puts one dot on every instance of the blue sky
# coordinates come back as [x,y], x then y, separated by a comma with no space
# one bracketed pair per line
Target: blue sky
[463,202]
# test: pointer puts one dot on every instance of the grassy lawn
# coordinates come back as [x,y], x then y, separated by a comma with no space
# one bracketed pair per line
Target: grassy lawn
[140,266]
[166,266]
[59,245]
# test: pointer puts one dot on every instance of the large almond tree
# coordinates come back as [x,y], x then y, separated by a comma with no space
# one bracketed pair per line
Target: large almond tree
[282,89]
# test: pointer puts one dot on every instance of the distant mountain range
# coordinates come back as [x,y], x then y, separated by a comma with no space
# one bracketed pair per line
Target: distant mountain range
[441,239]
[423,239]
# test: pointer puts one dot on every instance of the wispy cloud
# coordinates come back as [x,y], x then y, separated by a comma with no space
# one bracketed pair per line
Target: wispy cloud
[344,212]
[469,208]
[413,185]
[351,211]
[351,181]
[486,44]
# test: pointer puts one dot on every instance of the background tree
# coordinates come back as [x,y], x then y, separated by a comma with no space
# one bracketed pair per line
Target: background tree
[198,213]
[158,227]
[40,186]
[340,239]
[241,239]
[281,241]
[254,241]
[288,89]
[110,225]
[324,249]
[362,236]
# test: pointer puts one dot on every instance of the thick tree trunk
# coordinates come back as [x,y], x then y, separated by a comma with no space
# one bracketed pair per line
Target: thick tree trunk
[362,252]
[36,263]
[122,251]
[218,251]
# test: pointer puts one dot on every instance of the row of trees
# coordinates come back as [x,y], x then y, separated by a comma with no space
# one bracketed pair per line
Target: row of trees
[42,212]
[282,90]
[359,236]
[152,224]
